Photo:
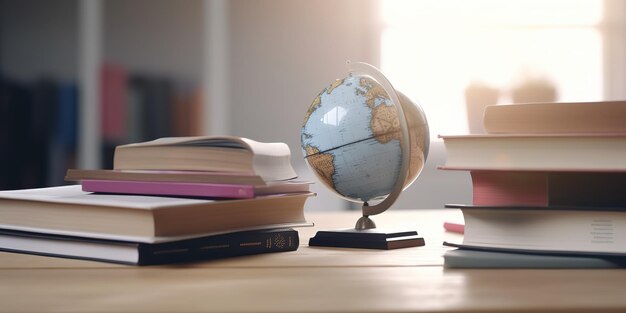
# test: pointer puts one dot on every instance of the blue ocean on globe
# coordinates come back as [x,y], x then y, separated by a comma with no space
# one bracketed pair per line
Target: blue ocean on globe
[350,138]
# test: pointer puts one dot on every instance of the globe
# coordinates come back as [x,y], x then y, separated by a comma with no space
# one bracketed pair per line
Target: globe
[351,138]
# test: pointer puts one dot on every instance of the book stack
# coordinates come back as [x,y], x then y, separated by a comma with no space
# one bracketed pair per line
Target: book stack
[216,167]
[168,200]
[549,186]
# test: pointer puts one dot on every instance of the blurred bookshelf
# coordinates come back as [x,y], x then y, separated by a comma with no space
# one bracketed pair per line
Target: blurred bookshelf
[78,78]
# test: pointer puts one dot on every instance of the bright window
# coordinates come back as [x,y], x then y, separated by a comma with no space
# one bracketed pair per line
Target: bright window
[433,50]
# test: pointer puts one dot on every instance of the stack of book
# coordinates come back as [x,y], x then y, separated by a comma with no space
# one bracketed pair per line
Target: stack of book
[217,167]
[549,183]
[168,200]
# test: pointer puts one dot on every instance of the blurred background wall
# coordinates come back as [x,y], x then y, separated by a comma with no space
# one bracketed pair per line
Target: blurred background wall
[78,77]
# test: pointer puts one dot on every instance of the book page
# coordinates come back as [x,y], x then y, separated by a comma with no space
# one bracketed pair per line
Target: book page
[208,141]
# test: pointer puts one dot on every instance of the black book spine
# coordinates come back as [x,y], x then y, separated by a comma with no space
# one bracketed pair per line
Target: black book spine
[221,246]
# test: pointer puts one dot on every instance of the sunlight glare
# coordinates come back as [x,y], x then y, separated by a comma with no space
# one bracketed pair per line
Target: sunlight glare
[432,50]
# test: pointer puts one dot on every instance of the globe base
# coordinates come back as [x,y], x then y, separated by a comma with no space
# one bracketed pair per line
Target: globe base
[366,239]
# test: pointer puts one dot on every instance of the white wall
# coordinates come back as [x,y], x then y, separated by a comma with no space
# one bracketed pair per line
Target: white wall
[283,53]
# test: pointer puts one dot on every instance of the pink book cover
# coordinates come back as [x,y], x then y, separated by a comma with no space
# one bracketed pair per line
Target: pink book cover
[509,188]
[169,188]
[454,227]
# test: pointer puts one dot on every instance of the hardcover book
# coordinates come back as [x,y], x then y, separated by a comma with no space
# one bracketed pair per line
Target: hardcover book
[181,189]
[134,253]
[539,152]
[510,188]
[485,258]
[68,210]
[211,177]
[565,230]
[575,117]
[113,102]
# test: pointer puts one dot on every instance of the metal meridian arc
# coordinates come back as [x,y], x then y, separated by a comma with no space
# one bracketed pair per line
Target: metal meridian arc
[367,69]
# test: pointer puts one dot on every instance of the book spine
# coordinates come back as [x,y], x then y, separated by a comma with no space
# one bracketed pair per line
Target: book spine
[222,246]
[113,102]
[169,188]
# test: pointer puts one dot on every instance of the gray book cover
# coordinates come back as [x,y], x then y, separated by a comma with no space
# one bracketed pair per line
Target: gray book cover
[467,258]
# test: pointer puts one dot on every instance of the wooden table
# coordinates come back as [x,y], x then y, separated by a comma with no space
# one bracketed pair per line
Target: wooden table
[309,280]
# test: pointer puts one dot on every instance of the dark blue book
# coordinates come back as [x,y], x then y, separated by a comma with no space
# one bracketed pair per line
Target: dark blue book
[67,125]
[134,253]
[62,148]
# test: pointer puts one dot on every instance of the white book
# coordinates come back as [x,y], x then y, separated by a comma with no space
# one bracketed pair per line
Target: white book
[590,231]
[565,152]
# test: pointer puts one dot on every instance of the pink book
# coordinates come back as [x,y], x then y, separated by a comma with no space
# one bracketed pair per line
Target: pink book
[454,227]
[169,188]
[510,188]
[549,188]
[113,102]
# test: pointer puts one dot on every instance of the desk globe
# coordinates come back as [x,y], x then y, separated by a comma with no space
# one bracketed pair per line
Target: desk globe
[355,137]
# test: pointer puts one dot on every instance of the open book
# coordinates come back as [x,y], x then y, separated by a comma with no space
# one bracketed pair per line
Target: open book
[270,161]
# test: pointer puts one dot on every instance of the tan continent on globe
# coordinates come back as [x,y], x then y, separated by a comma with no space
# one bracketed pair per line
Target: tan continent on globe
[334,85]
[317,102]
[314,106]
[373,91]
[385,124]
[322,163]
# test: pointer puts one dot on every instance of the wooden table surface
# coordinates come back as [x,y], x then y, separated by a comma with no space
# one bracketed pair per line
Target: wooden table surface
[309,280]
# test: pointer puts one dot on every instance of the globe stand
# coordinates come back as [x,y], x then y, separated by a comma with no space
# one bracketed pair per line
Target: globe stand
[366,239]
[365,234]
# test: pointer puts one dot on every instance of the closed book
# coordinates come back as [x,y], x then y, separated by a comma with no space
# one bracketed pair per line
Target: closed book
[113,102]
[134,253]
[565,230]
[39,138]
[67,121]
[476,258]
[68,210]
[271,161]
[62,150]
[549,188]
[551,152]
[574,117]
[228,191]
[136,104]
[157,116]
[216,177]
